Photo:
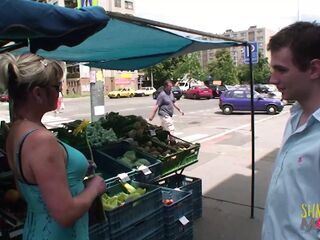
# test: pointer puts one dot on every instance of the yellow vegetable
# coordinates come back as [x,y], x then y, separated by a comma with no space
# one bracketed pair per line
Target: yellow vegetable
[83,125]
[129,187]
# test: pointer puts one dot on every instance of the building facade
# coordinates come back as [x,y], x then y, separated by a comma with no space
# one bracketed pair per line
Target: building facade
[253,34]
[79,76]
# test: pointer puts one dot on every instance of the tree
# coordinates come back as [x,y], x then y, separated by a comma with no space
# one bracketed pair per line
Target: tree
[189,65]
[176,68]
[223,68]
[261,71]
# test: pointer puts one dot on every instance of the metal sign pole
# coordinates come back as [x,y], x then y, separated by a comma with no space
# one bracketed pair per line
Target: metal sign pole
[252,132]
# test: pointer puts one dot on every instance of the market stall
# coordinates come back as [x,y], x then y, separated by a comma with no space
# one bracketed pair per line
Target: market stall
[147,195]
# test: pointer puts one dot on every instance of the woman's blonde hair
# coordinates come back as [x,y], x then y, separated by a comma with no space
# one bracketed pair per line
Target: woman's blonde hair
[21,73]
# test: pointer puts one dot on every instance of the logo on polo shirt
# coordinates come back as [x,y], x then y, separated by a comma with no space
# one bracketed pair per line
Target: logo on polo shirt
[310,217]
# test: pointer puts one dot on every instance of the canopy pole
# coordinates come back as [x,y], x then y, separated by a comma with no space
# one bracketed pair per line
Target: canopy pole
[252,132]
[143,21]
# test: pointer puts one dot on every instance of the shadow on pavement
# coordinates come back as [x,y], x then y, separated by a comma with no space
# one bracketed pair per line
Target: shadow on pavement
[227,205]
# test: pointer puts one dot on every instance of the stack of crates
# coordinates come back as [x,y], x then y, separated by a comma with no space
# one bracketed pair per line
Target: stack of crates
[178,214]
[137,219]
[188,184]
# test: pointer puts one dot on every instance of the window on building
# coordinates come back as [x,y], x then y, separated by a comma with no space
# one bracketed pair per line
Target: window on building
[251,36]
[128,5]
[117,3]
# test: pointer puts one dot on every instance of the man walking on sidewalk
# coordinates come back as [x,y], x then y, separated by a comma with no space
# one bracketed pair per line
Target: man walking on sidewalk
[293,201]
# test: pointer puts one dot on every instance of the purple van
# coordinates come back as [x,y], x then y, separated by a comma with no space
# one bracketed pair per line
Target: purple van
[239,100]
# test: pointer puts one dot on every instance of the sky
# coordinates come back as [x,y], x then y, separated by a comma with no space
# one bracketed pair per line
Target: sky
[217,16]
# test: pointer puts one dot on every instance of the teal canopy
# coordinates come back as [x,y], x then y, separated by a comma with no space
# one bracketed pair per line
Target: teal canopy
[124,45]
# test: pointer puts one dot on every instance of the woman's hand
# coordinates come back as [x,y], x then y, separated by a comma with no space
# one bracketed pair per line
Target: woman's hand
[98,184]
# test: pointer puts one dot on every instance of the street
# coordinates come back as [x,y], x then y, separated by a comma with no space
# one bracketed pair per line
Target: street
[202,120]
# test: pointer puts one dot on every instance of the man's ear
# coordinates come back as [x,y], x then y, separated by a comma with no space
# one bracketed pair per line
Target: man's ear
[315,69]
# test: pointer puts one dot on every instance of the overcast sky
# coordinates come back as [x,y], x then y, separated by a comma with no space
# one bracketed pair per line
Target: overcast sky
[216,16]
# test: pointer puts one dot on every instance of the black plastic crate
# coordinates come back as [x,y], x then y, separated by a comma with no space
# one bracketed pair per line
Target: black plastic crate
[197,209]
[177,230]
[133,211]
[181,206]
[184,183]
[189,184]
[106,158]
[142,229]
[157,235]
[188,235]
[99,231]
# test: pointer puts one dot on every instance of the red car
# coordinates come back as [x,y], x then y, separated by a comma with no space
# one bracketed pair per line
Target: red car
[4,98]
[197,92]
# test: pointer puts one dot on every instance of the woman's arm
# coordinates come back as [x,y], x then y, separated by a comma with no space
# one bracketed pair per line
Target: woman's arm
[48,166]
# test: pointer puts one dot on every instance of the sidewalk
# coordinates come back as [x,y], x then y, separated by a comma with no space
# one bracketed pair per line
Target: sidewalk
[225,170]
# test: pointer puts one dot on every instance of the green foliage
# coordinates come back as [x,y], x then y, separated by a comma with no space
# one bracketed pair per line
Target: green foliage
[261,71]
[175,68]
[223,68]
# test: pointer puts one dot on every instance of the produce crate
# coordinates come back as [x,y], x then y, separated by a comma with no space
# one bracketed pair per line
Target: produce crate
[106,159]
[181,206]
[99,231]
[189,184]
[12,233]
[132,211]
[177,230]
[187,235]
[157,235]
[142,229]
[179,158]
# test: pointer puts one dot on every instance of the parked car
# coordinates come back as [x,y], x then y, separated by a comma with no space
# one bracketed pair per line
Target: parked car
[177,92]
[122,92]
[239,100]
[145,91]
[197,92]
[217,90]
[4,98]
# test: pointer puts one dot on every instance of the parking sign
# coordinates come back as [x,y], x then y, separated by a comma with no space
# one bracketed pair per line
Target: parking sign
[254,53]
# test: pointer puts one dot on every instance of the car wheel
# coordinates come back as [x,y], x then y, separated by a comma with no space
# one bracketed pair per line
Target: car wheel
[178,98]
[142,95]
[227,109]
[194,96]
[118,96]
[131,95]
[271,109]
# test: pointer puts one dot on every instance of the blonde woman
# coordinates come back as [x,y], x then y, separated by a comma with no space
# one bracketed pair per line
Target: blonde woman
[49,173]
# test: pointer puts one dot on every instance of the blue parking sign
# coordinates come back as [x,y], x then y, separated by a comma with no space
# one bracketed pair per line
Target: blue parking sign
[254,53]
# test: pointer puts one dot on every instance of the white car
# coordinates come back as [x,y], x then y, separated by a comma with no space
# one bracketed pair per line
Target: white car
[145,91]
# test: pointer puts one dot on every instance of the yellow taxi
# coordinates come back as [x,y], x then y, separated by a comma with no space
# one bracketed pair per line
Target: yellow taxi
[122,92]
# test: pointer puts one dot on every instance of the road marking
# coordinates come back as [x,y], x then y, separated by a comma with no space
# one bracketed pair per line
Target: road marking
[194,137]
[127,109]
[178,133]
[53,121]
[235,129]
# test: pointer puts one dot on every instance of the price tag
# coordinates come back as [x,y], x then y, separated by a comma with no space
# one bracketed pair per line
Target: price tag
[144,169]
[124,177]
[152,132]
[184,221]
